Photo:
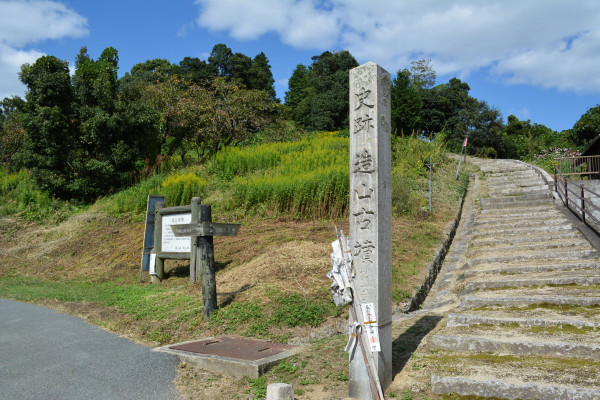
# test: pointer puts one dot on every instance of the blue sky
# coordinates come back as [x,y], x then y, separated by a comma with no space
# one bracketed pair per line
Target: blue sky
[535,59]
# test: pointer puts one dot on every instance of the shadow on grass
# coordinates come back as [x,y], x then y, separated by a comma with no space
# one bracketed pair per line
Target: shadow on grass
[229,297]
[406,344]
[181,271]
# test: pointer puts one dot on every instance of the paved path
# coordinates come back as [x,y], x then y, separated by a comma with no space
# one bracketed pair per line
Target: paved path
[48,355]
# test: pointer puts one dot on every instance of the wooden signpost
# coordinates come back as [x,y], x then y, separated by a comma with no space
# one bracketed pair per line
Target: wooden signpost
[202,264]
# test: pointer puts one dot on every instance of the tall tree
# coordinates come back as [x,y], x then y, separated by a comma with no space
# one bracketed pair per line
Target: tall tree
[297,90]
[151,71]
[484,126]
[422,73]
[49,119]
[220,57]
[81,138]
[197,71]
[324,102]
[406,105]
[261,77]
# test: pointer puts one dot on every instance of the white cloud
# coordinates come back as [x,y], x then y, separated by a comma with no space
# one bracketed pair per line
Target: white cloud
[298,23]
[10,64]
[23,23]
[552,44]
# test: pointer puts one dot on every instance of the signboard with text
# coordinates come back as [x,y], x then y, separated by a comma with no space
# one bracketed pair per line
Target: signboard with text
[171,243]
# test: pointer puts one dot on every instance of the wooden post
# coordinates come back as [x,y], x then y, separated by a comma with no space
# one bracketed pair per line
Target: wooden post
[582,204]
[194,239]
[205,262]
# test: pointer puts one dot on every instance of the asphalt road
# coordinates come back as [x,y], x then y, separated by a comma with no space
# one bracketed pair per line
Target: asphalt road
[48,355]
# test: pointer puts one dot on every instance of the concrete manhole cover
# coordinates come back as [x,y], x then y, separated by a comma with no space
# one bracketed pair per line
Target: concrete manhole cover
[244,349]
[232,355]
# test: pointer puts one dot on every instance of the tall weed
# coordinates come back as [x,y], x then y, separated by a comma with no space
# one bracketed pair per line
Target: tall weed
[19,194]
[178,190]
[308,177]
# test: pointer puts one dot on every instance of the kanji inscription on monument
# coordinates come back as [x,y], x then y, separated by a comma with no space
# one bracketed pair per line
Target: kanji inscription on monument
[371,217]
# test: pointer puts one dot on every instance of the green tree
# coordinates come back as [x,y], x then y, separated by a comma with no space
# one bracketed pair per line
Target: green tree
[587,127]
[324,103]
[228,114]
[484,126]
[422,74]
[197,71]
[220,58]
[50,122]
[151,71]
[442,106]
[524,139]
[261,77]
[406,105]
[298,86]
[82,139]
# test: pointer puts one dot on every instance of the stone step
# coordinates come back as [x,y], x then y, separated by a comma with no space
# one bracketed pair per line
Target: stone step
[518,180]
[522,231]
[456,319]
[522,346]
[471,301]
[519,268]
[504,170]
[533,281]
[521,203]
[543,214]
[533,238]
[526,184]
[578,244]
[553,255]
[515,191]
[527,174]
[516,212]
[518,223]
[522,181]
[467,386]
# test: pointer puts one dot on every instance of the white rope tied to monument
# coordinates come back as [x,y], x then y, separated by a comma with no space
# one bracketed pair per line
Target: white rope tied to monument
[342,288]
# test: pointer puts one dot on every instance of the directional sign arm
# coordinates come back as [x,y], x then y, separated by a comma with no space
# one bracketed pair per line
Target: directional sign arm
[206,229]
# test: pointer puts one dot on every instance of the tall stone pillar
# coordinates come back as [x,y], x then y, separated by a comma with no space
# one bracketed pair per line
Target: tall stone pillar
[371,215]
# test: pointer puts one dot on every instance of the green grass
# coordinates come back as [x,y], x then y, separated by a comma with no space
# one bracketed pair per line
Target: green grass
[289,310]
[148,302]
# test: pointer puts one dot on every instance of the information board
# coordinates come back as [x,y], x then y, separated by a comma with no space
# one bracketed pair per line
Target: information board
[171,243]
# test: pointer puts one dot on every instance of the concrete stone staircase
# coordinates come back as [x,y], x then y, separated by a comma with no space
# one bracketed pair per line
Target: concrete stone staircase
[520,290]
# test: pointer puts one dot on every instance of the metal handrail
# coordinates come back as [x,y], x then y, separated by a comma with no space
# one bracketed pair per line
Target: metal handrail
[575,195]
[580,165]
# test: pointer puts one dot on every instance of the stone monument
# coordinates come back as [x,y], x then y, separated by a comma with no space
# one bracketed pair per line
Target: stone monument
[371,217]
